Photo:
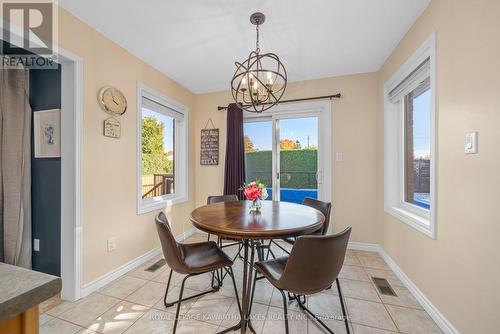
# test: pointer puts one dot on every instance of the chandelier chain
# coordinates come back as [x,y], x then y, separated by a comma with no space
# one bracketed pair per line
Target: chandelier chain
[257,49]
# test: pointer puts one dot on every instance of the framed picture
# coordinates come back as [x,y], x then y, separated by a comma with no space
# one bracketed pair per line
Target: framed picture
[47,133]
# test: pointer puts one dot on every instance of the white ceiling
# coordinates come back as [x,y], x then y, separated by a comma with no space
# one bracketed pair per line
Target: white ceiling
[196,42]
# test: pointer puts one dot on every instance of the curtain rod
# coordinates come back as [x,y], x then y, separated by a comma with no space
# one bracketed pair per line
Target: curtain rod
[335,96]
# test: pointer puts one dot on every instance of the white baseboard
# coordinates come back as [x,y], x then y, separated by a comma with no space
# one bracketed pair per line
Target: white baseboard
[431,309]
[131,265]
[362,246]
[186,234]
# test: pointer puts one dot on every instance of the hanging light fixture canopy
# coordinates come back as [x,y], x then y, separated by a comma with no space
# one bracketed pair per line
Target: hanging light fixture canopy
[259,82]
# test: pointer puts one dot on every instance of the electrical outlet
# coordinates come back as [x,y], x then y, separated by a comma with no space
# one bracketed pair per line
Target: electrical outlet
[111,244]
[36,245]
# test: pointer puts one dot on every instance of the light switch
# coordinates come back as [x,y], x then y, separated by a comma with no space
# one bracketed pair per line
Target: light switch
[471,142]
[339,156]
[36,245]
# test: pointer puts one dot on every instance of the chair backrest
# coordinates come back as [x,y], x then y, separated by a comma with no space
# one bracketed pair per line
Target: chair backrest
[324,207]
[221,198]
[171,250]
[315,262]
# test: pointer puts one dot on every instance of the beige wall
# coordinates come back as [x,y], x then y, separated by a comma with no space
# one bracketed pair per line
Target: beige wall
[460,270]
[354,133]
[109,165]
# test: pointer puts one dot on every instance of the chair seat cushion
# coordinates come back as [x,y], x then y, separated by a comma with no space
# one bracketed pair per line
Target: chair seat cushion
[204,256]
[272,269]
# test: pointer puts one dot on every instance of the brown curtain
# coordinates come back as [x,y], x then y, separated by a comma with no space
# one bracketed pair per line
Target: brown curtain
[15,168]
[234,175]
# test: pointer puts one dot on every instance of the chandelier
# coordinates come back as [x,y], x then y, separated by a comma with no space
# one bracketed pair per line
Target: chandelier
[259,81]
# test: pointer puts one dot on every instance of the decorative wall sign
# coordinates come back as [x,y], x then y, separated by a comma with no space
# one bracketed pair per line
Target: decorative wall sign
[47,133]
[209,149]
[112,128]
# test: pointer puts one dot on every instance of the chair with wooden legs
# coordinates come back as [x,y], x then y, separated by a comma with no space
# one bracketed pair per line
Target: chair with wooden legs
[313,265]
[191,260]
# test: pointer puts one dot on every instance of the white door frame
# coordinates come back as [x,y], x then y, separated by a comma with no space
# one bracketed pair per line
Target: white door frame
[321,109]
[71,166]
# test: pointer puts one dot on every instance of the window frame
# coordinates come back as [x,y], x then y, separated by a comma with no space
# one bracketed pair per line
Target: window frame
[181,152]
[423,220]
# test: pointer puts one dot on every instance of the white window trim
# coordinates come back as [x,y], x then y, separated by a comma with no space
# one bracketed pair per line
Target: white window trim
[181,151]
[420,219]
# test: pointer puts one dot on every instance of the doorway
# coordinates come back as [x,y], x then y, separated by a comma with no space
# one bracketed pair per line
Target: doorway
[288,148]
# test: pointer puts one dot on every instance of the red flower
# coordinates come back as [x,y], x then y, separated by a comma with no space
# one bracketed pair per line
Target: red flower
[252,192]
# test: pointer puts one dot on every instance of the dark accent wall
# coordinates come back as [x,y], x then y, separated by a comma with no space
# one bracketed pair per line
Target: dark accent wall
[45,93]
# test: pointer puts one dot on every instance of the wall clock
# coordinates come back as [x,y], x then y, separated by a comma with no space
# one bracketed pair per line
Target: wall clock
[112,100]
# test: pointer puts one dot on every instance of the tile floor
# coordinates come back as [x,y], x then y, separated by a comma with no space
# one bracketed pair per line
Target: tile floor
[133,304]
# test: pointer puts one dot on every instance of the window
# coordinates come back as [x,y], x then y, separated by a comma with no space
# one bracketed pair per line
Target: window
[162,151]
[409,118]
[417,105]
[288,149]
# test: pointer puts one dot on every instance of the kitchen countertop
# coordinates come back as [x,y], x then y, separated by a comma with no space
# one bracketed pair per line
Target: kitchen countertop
[21,289]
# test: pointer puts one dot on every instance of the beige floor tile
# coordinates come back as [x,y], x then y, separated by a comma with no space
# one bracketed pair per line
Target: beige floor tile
[404,298]
[140,272]
[193,326]
[263,292]
[351,260]
[325,305]
[123,287]
[258,316]
[387,274]
[209,310]
[354,273]
[173,295]
[148,295]
[86,331]
[369,314]
[50,303]
[357,289]
[118,318]
[373,262]
[61,308]
[88,309]
[313,327]
[153,322]
[277,301]
[58,326]
[200,282]
[275,324]
[360,329]
[366,254]
[163,277]
[412,321]
[44,317]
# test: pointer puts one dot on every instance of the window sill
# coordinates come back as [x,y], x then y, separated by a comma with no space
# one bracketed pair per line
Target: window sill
[421,223]
[153,204]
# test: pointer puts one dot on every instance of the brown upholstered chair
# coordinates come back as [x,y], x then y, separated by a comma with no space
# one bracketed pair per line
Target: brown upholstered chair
[324,207]
[191,260]
[303,272]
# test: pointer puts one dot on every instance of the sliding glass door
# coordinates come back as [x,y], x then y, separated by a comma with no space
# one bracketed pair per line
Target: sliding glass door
[283,151]
[298,159]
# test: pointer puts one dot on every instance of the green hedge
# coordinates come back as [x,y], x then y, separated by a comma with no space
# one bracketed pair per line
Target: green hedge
[156,163]
[298,168]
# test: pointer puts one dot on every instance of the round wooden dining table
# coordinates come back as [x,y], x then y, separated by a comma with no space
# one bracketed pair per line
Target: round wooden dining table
[275,220]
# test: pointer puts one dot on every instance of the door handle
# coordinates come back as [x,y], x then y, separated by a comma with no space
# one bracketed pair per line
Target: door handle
[319,177]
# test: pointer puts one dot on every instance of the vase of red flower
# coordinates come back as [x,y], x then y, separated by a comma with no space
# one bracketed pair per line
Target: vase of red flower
[255,192]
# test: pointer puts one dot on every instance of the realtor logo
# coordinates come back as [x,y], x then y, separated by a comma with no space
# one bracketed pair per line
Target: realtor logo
[28,32]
